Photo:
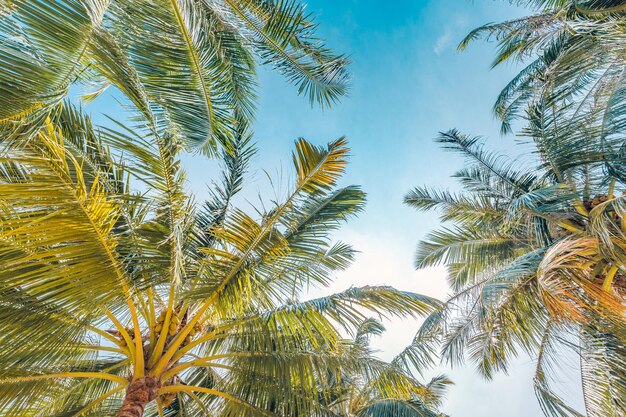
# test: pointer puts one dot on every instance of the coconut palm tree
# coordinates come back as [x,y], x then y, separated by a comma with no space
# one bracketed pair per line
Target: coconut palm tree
[532,254]
[121,296]
[192,61]
[535,259]
[395,392]
[571,50]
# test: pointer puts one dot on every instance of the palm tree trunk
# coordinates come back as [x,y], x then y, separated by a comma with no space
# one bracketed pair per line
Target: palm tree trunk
[139,393]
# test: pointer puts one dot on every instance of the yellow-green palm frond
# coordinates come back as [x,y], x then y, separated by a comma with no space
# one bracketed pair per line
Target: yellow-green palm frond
[53,213]
[43,47]
[101,245]
[569,287]
[246,245]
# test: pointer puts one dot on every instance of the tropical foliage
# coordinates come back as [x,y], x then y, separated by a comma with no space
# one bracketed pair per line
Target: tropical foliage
[536,263]
[536,255]
[121,296]
[395,392]
[571,51]
[187,65]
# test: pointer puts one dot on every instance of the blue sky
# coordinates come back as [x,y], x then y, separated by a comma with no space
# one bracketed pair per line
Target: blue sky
[408,83]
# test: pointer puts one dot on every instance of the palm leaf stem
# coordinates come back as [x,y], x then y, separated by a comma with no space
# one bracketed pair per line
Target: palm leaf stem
[608,281]
[198,401]
[595,12]
[123,332]
[103,348]
[191,388]
[195,59]
[94,375]
[98,400]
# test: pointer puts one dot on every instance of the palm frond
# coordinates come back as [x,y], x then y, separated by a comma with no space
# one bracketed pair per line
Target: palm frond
[42,47]
[282,33]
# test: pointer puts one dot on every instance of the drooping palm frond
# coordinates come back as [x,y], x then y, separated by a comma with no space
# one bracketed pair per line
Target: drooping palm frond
[461,209]
[549,350]
[188,67]
[571,48]
[177,60]
[42,46]
[283,34]
[603,369]
[467,252]
[492,165]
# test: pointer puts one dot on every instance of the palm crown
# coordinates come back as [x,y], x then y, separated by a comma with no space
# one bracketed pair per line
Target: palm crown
[121,297]
[535,256]
[535,259]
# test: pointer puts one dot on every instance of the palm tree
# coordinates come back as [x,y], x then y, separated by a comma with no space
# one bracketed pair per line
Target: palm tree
[121,296]
[535,259]
[571,50]
[393,392]
[188,65]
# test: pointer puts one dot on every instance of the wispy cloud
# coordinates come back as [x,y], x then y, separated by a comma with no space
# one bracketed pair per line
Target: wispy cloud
[383,261]
[442,42]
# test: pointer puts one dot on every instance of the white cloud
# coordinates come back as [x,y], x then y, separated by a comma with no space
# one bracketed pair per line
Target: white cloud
[384,260]
[442,42]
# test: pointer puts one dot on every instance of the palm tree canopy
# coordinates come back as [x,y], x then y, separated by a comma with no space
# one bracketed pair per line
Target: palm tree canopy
[535,254]
[122,296]
[535,260]
[187,66]
[571,52]
[395,392]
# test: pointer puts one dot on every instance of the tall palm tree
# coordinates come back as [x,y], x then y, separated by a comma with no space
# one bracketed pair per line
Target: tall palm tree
[571,50]
[535,256]
[535,259]
[192,61]
[395,392]
[121,296]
